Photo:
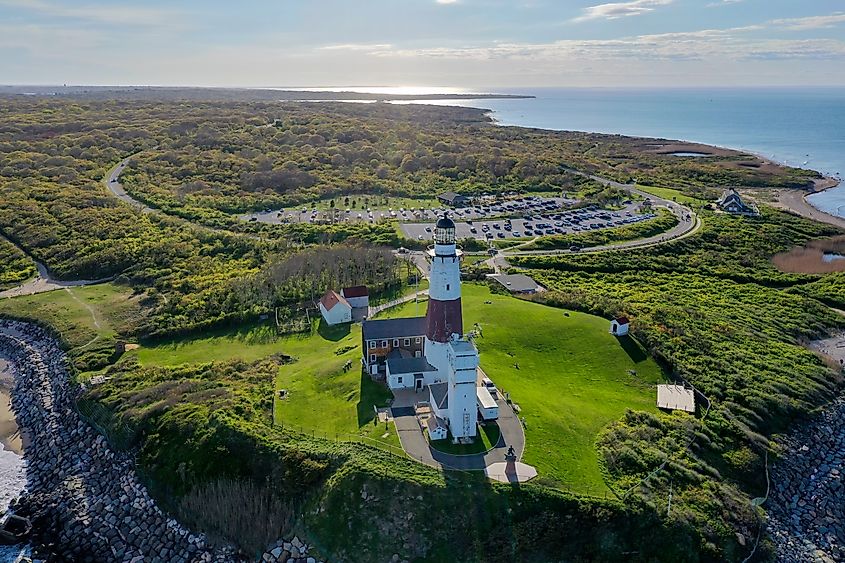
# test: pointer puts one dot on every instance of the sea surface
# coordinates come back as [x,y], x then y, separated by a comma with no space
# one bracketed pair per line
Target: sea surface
[801,127]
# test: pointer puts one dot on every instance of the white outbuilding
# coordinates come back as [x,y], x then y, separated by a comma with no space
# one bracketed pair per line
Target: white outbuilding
[335,308]
[357,296]
[619,326]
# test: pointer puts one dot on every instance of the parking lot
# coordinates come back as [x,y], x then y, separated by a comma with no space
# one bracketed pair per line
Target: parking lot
[524,205]
[534,224]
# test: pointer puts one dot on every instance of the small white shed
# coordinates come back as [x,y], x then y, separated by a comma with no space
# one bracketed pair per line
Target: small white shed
[619,326]
[436,428]
[335,309]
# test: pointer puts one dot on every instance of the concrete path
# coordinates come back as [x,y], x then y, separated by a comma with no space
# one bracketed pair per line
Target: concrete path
[415,444]
[373,311]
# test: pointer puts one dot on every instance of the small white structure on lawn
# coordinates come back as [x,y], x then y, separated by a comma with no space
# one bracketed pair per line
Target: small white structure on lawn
[676,398]
[335,308]
[619,326]
[357,296]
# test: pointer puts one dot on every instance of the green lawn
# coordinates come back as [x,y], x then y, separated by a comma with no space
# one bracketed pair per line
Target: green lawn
[488,437]
[323,398]
[76,312]
[671,194]
[573,379]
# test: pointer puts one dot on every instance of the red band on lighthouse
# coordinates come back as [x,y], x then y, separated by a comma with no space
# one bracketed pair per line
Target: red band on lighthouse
[443,319]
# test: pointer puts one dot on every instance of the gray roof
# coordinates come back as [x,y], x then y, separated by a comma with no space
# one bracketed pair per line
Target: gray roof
[518,283]
[433,423]
[393,328]
[408,365]
[439,394]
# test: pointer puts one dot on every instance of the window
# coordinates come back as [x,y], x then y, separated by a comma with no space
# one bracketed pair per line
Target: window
[371,344]
[417,354]
[447,287]
[418,339]
[395,342]
[372,358]
[407,342]
[399,380]
[384,343]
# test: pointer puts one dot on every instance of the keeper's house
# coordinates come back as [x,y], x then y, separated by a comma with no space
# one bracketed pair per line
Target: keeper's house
[386,339]
[335,308]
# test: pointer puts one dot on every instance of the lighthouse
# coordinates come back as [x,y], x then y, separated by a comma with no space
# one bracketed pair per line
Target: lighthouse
[446,349]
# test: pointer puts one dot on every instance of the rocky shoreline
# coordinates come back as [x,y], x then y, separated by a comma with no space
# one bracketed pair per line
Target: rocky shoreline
[806,507]
[84,499]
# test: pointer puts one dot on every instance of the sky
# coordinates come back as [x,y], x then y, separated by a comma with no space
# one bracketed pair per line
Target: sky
[477,45]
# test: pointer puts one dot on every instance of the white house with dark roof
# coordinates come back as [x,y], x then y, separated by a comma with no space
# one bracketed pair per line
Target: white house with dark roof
[335,308]
[731,202]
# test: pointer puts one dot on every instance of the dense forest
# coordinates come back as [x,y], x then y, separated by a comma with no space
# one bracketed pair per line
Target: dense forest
[15,266]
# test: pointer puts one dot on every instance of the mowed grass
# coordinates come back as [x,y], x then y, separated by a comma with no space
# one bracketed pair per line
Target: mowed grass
[672,194]
[76,312]
[572,379]
[324,397]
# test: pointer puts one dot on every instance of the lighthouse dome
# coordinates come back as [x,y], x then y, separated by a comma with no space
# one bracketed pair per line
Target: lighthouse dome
[445,223]
[444,231]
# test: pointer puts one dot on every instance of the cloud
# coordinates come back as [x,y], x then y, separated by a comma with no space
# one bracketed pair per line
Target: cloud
[447,1]
[99,13]
[366,47]
[616,10]
[811,22]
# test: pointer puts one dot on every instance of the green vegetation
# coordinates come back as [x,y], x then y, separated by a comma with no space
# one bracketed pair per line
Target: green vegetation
[712,308]
[201,409]
[644,229]
[15,266]
[88,319]
[677,195]
[488,437]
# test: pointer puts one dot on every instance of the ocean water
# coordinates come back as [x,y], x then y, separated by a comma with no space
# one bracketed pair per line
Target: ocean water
[797,126]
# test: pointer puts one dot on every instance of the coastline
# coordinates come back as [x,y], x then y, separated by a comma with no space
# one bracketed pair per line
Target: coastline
[10,436]
[796,202]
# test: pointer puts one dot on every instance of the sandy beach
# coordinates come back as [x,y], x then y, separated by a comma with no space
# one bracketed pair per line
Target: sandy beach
[9,435]
[796,201]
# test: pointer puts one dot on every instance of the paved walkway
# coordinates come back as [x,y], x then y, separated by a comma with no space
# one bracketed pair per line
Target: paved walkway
[414,443]
[373,311]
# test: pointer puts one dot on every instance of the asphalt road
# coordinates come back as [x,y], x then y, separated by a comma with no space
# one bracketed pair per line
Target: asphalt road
[113,184]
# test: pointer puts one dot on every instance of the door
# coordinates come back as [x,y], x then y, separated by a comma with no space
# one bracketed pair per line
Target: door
[418,381]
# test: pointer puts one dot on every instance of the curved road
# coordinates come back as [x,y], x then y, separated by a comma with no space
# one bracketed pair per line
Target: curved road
[114,186]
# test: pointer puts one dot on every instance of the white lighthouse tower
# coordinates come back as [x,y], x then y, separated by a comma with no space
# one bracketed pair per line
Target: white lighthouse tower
[455,358]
